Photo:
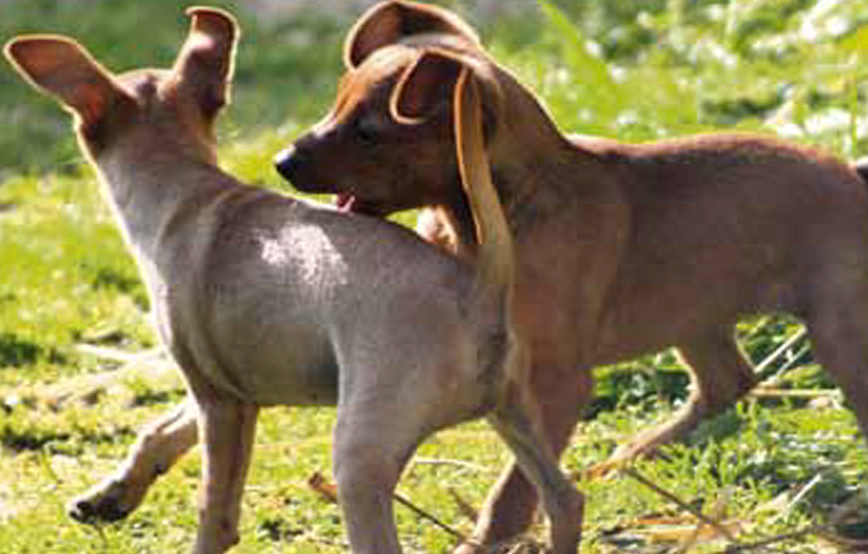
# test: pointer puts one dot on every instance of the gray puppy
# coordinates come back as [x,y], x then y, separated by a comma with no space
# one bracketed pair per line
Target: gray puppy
[264,300]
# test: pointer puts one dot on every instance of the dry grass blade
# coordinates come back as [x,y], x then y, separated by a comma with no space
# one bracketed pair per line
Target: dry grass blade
[825,531]
[700,532]
[761,367]
[764,391]
[716,525]
[418,460]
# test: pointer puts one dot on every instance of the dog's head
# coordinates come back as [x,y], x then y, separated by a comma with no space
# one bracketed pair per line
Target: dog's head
[180,103]
[388,142]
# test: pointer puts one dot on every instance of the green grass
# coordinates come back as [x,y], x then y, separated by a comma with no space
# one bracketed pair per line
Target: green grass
[71,304]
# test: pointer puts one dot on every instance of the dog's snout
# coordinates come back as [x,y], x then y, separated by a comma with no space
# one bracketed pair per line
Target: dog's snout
[288,161]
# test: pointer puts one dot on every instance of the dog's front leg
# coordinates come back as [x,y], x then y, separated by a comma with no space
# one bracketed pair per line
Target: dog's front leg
[157,448]
[227,427]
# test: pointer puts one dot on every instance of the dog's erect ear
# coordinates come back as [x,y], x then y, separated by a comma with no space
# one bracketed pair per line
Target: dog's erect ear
[388,22]
[205,63]
[62,68]
[426,84]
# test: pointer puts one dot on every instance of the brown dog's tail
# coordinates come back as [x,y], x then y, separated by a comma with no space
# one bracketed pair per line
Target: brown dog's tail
[495,260]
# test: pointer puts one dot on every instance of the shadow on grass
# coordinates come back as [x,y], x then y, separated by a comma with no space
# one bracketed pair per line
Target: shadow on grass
[21,436]
[20,441]
[18,352]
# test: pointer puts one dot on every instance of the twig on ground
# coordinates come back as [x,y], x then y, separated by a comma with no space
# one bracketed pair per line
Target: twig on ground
[718,511]
[446,461]
[429,516]
[716,525]
[764,391]
[117,355]
[803,492]
[826,531]
[330,492]
[797,336]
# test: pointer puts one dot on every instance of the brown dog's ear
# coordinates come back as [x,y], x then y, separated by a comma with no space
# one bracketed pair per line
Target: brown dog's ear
[388,22]
[470,150]
[425,84]
[443,79]
[62,68]
[205,64]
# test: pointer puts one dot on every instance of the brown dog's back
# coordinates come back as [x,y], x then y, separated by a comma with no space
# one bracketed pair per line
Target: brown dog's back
[758,218]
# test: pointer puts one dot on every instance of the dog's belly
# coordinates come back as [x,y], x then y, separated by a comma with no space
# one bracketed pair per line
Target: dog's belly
[636,331]
[282,380]
[274,362]
[687,294]
[259,348]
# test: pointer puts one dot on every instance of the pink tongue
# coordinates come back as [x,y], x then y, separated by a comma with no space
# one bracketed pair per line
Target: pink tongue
[345,202]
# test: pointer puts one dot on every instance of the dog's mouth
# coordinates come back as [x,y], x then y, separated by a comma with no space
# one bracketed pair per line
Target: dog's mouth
[345,202]
[350,203]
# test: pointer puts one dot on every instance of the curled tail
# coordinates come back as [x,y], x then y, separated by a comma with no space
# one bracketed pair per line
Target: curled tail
[495,260]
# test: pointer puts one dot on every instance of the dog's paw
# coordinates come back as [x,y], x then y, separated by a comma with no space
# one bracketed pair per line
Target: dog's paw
[103,504]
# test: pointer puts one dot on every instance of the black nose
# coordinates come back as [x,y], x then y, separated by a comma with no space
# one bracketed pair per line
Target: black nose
[288,162]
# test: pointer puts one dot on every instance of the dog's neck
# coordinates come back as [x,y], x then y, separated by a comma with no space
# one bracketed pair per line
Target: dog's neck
[528,151]
[147,187]
[534,168]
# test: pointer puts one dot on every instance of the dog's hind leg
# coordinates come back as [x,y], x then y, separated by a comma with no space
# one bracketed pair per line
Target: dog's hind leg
[515,421]
[228,428]
[720,375]
[372,443]
[839,336]
[561,391]
[157,448]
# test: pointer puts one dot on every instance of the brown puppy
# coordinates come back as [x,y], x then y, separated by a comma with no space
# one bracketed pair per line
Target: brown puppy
[263,299]
[622,249]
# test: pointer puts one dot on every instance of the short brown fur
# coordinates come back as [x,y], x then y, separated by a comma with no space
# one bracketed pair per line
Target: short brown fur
[621,249]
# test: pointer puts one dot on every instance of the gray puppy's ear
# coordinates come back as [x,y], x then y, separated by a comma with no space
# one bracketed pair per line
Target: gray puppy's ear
[388,22]
[62,68]
[205,64]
